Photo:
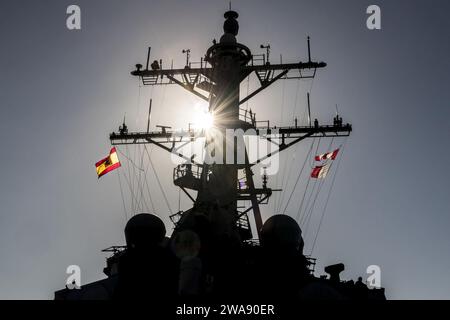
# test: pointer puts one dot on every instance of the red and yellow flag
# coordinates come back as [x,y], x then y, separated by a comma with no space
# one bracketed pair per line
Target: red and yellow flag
[108,164]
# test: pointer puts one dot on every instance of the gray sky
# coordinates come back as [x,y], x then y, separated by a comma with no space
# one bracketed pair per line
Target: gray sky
[62,92]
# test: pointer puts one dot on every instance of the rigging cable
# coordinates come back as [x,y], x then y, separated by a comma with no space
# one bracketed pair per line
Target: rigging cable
[298,177]
[148,188]
[129,177]
[133,196]
[296,99]
[142,179]
[328,197]
[131,161]
[133,179]
[305,110]
[313,164]
[307,203]
[123,199]
[277,196]
[159,182]
[129,182]
[286,181]
[140,201]
[141,182]
[306,188]
[308,213]
[138,180]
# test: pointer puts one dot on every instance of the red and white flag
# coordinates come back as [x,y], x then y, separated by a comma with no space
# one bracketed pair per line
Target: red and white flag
[320,172]
[328,155]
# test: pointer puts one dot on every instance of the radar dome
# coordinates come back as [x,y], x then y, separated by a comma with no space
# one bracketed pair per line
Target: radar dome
[281,231]
[144,230]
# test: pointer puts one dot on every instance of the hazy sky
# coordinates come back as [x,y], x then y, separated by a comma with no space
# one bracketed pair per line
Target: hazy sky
[62,92]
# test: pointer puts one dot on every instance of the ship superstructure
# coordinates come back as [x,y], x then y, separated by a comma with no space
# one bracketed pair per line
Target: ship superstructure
[223,178]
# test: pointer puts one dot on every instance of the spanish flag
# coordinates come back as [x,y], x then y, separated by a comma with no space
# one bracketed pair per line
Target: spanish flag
[108,164]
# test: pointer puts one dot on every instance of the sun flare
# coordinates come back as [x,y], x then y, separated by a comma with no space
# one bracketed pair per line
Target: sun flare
[203,119]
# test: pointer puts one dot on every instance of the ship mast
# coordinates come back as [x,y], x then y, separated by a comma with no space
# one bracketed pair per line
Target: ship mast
[226,64]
